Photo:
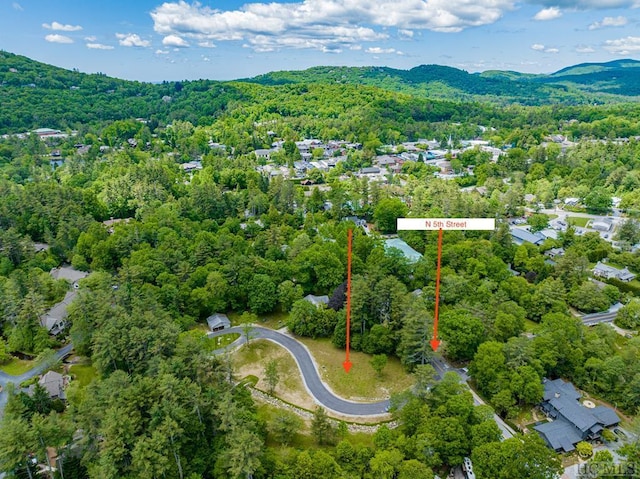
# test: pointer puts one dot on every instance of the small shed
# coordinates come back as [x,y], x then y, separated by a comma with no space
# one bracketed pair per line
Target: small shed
[218,322]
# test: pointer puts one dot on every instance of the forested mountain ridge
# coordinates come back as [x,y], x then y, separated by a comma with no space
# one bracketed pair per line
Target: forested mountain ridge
[35,94]
[587,83]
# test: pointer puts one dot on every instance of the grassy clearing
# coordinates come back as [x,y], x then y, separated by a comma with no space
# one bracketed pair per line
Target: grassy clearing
[578,221]
[275,320]
[211,344]
[251,360]
[16,367]
[83,374]
[362,383]
[302,439]
[531,326]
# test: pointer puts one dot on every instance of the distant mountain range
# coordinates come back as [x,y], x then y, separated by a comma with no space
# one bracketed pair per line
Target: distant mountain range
[586,83]
[33,94]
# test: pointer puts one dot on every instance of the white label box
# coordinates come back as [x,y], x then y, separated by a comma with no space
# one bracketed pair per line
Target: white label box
[446,224]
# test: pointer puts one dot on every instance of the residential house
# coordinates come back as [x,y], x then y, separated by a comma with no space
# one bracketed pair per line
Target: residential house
[265,153]
[603,224]
[70,274]
[317,300]
[553,252]
[54,383]
[521,235]
[191,166]
[571,422]
[218,322]
[605,271]
[55,320]
[407,251]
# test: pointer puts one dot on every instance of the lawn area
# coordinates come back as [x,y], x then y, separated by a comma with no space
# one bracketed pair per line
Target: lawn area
[531,326]
[275,320]
[577,221]
[16,366]
[362,383]
[211,344]
[83,374]
[251,360]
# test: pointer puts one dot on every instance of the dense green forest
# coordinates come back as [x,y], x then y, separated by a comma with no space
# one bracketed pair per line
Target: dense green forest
[615,81]
[230,238]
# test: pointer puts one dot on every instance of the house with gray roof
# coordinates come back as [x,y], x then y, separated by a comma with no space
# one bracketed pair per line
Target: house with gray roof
[521,235]
[69,273]
[317,300]
[570,421]
[603,270]
[55,320]
[218,322]
[54,383]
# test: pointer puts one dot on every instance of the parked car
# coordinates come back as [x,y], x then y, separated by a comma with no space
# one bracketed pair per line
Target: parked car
[620,433]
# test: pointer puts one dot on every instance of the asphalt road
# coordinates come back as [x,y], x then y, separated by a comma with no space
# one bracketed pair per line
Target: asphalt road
[318,390]
[442,367]
[7,378]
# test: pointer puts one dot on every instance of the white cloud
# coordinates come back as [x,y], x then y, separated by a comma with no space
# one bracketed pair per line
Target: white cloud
[584,49]
[405,33]
[99,46]
[132,40]
[207,44]
[609,22]
[326,25]
[550,13]
[55,38]
[587,4]
[91,38]
[174,41]
[379,51]
[61,27]
[539,47]
[162,52]
[623,46]
[17,6]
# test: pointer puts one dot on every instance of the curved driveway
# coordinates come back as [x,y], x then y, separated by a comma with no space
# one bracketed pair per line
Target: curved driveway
[318,389]
[7,378]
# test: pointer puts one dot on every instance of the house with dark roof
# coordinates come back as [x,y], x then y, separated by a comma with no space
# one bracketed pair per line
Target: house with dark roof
[570,421]
[218,322]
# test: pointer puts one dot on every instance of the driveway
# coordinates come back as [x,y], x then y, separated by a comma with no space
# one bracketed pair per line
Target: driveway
[7,378]
[319,391]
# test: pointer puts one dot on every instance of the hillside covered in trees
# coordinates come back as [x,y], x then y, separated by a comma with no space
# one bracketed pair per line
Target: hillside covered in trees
[163,197]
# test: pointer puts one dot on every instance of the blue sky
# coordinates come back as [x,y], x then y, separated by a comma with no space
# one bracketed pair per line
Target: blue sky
[221,40]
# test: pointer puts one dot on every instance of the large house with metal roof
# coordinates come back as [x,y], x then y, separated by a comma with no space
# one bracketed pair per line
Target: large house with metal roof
[570,421]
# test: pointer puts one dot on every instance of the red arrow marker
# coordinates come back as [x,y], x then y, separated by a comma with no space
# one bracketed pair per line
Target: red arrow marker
[435,342]
[347,364]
